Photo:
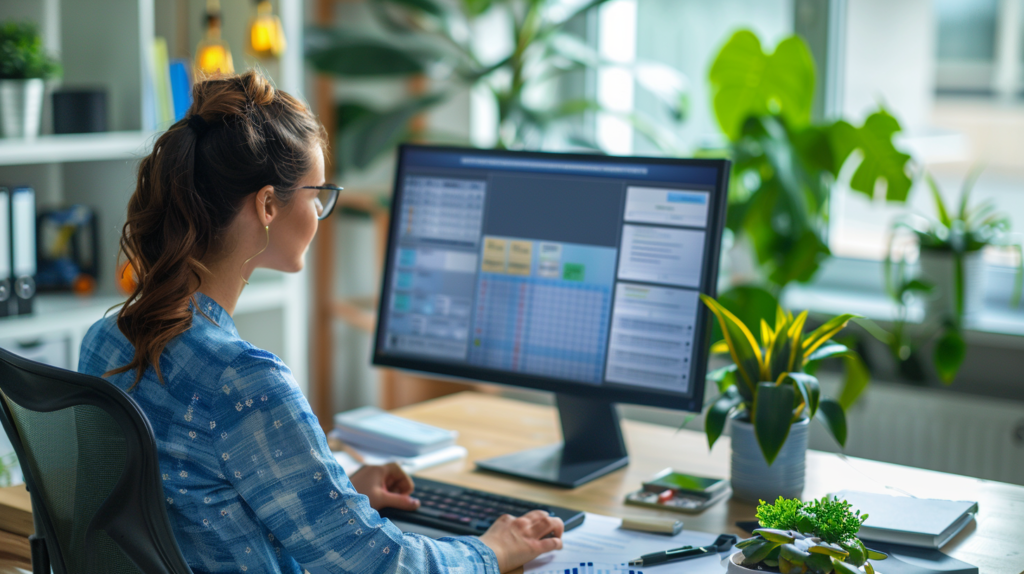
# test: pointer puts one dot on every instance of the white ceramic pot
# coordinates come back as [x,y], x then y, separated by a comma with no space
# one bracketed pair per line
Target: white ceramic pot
[937,268]
[753,479]
[21,107]
[733,566]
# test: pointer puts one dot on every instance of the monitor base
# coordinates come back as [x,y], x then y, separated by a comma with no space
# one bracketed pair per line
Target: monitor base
[593,447]
[545,465]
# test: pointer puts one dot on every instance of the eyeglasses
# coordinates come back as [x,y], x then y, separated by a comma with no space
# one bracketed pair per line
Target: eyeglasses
[326,199]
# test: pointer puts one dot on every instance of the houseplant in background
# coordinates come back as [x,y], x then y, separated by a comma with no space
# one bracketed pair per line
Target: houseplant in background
[433,39]
[785,165]
[768,396]
[24,68]
[818,536]
[951,278]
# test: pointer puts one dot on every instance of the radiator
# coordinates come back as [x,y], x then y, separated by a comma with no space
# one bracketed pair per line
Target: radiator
[929,428]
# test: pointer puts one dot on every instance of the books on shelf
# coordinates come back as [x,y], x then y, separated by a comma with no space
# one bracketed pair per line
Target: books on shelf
[923,522]
[169,90]
[181,87]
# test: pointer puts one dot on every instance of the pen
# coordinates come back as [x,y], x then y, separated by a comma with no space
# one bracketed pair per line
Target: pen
[670,555]
[721,544]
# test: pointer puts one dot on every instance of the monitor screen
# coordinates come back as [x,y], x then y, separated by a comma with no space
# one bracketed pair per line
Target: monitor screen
[568,273]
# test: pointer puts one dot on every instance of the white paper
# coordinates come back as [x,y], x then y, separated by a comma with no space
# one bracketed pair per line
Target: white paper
[601,542]
[410,464]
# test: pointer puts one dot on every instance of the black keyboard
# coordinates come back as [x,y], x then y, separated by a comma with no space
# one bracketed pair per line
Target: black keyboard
[461,510]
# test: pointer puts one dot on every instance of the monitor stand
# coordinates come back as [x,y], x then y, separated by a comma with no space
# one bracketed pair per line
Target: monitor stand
[593,447]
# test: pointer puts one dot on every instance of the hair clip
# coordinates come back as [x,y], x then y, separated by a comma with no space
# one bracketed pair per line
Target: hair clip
[198,124]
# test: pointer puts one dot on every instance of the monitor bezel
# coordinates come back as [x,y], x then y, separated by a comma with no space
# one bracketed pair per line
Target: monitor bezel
[638,396]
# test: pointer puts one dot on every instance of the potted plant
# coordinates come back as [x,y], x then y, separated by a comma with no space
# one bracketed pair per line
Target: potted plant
[951,273]
[769,399]
[24,67]
[819,536]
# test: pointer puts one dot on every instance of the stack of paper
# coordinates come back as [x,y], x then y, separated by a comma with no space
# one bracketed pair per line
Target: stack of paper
[374,430]
[599,546]
[410,464]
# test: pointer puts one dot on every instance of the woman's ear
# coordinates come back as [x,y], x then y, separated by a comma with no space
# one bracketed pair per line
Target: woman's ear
[266,205]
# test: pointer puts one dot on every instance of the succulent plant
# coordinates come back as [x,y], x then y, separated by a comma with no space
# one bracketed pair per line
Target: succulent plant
[816,537]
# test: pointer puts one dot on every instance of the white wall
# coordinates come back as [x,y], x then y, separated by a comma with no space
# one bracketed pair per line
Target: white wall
[687,34]
[890,59]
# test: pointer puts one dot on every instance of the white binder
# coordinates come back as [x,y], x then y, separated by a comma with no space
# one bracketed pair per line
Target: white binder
[23,246]
[5,253]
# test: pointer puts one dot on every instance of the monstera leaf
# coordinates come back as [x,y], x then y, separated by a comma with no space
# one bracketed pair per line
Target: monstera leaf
[748,82]
[882,161]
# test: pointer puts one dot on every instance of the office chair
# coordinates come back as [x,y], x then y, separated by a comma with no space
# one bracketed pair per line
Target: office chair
[90,464]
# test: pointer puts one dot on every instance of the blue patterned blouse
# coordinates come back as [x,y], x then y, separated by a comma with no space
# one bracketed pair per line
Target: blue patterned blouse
[251,485]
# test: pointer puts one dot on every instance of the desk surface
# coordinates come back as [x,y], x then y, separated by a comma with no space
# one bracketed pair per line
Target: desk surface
[490,426]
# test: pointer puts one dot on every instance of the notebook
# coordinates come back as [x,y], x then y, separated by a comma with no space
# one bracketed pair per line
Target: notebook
[923,522]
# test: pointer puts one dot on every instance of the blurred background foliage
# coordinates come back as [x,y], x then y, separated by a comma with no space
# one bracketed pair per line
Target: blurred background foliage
[433,39]
[785,164]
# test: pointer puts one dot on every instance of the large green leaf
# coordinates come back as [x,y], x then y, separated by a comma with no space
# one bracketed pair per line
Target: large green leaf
[808,387]
[832,415]
[364,133]
[724,378]
[856,381]
[881,162]
[773,417]
[826,352]
[743,348]
[748,82]
[950,351]
[822,334]
[749,303]
[353,53]
[718,414]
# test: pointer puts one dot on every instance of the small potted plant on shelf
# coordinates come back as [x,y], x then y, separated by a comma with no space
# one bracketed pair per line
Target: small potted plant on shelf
[952,271]
[24,67]
[768,398]
[819,537]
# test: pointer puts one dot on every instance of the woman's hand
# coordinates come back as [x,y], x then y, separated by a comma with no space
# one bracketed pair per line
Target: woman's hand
[516,541]
[387,486]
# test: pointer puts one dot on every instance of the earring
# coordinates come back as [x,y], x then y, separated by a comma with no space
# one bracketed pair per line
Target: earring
[267,227]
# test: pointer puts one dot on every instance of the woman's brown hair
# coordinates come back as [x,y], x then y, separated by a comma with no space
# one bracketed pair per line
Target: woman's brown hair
[239,135]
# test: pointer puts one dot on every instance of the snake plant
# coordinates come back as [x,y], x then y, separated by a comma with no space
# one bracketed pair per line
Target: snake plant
[817,537]
[767,384]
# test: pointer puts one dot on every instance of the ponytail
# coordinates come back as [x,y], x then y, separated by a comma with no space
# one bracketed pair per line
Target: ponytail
[239,135]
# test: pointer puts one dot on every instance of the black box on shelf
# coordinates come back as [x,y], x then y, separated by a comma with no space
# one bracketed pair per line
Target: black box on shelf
[79,111]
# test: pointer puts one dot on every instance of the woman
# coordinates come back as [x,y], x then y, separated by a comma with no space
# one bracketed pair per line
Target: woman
[251,485]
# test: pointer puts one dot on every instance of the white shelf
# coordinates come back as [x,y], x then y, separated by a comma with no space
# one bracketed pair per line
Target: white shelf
[57,314]
[76,147]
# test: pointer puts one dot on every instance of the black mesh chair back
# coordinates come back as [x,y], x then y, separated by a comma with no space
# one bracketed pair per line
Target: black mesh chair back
[90,463]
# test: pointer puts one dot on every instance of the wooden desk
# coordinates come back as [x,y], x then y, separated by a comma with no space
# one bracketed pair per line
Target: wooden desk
[490,426]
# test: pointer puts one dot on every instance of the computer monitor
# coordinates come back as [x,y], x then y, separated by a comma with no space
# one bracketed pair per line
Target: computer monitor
[575,274]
